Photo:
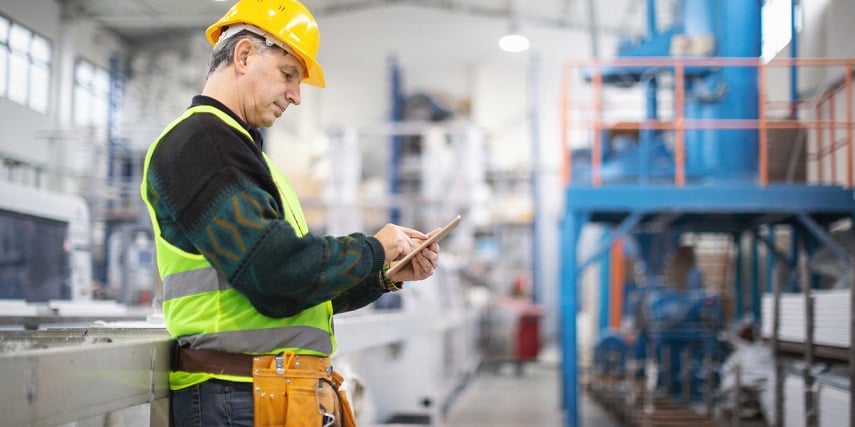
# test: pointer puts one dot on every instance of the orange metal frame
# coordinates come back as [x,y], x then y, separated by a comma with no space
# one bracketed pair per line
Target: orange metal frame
[819,124]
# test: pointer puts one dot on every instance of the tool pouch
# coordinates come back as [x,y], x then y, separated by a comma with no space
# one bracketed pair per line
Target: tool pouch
[346,412]
[285,397]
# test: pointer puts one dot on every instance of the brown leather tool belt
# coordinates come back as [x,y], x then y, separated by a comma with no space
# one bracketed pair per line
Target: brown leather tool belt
[237,364]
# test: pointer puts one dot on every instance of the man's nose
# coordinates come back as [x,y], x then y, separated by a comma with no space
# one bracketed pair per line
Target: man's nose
[293,95]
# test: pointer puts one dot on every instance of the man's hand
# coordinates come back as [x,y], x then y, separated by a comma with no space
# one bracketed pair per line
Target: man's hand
[398,241]
[422,265]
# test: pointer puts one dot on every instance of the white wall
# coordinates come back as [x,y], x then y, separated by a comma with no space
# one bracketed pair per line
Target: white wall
[47,139]
[17,137]
[827,32]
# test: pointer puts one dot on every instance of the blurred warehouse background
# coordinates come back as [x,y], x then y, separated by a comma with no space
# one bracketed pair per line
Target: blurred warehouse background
[657,202]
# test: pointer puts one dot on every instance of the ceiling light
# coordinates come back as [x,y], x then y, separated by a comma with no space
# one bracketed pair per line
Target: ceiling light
[514,43]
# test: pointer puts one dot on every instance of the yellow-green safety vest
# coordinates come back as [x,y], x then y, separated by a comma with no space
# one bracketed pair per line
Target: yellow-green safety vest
[201,309]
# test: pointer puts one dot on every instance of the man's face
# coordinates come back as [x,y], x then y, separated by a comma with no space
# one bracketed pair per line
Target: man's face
[271,84]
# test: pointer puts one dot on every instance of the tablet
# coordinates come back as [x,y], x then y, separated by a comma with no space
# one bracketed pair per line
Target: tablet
[435,238]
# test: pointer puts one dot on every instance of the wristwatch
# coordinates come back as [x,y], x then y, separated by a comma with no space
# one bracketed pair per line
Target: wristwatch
[387,282]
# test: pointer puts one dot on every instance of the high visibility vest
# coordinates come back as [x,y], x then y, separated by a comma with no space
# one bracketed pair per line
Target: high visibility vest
[204,311]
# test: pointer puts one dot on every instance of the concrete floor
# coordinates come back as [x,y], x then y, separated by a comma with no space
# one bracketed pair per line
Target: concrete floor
[502,398]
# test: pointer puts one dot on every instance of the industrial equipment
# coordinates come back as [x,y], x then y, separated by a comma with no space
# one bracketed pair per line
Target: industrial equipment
[697,165]
[85,375]
[514,333]
[404,363]
[45,251]
[46,262]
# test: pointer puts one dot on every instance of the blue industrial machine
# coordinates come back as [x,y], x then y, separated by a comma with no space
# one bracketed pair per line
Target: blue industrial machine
[681,330]
[721,191]
[678,329]
[727,29]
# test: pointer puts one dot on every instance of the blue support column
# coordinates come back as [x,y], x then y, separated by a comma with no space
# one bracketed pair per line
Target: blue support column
[794,53]
[651,107]
[605,245]
[605,287]
[794,256]
[793,285]
[755,276]
[571,229]
[536,173]
[770,262]
[396,114]
[116,96]
[739,289]
[821,237]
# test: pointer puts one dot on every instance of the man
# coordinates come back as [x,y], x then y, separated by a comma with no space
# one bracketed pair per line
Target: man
[249,292]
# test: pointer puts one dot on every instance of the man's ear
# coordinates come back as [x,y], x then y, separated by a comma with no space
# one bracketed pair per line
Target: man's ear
[243,49]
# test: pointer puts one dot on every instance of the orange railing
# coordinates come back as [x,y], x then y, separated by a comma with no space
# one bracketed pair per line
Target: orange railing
[829,133]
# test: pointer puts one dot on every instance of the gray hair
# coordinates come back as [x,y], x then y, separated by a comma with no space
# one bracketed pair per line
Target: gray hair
[224,51]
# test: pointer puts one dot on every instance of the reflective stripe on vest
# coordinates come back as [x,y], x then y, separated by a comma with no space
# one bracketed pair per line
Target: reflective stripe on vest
[201,309]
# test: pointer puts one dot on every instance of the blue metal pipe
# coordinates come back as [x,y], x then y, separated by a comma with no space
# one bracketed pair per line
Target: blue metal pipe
[817,237]
[822,236]
[621,230]
[646,135]
[652,31]
[755,277]
[701,155]
[728,93]
[740,37]
[534,126]
[770,245]
[794,53]
[396,114]
[570,232]
[738,282]
[794,255]
[770,260]
[605,276]
[116,93]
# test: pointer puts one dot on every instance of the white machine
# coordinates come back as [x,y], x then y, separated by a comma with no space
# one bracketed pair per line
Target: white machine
[45,246]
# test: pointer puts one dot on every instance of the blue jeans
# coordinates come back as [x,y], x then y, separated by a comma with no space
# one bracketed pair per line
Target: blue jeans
[213,403]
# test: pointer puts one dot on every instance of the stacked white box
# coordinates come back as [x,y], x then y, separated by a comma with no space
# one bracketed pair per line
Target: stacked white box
[833,405]
[794,401]
[832,309]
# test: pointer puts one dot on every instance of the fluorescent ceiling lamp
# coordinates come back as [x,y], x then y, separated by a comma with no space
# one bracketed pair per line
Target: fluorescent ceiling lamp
[514,43]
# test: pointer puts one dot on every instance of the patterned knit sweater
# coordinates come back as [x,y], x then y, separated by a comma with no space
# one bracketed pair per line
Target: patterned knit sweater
[214,195]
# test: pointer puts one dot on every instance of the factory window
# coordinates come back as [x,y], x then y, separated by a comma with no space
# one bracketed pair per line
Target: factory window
[91,94]
[25,59]
[777,26]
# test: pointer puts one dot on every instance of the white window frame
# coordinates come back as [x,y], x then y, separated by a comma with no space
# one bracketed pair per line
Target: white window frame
[25,65]
[91,96]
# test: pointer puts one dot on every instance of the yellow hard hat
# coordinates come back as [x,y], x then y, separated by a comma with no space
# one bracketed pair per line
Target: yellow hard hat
[288,21]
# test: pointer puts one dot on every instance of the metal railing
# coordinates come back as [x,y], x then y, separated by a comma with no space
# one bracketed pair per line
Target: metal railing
[830,150]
